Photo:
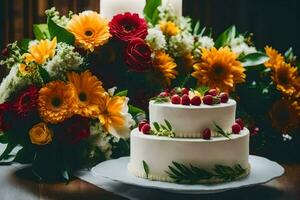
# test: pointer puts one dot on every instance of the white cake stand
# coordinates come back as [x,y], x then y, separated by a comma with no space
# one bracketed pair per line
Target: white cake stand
[262,171]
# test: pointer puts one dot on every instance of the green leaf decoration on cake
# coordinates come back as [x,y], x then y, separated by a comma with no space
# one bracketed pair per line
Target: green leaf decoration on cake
[220,131]
[146,168]
[163,130]
[180,173]
[160,99]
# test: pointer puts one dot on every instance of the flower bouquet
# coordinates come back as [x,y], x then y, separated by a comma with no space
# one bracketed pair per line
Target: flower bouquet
[54,109]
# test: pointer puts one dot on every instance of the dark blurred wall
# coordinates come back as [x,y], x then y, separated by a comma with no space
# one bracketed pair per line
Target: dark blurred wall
[274,22]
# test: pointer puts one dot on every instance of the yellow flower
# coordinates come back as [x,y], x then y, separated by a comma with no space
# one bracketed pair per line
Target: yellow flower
[169,28]
[189,61]
[284,77]
[165,65]
[24,69]
[41,51]
[40,134]
[114,115]
[89,92]
[285,115]
[275,57]
[219,69]
[90,30]
[56,101]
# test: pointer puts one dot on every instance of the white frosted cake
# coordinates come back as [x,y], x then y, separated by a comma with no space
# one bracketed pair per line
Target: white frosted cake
[190,138]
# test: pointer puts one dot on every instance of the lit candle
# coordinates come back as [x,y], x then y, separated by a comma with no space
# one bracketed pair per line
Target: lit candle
[110,8]
[177,5]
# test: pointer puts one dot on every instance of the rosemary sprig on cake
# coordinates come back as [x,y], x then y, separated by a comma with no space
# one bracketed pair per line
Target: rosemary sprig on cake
[181,173]
[163,130]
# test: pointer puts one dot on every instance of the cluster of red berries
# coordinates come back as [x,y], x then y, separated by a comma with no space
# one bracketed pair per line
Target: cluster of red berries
[181,96]
[236,129]
[144,127]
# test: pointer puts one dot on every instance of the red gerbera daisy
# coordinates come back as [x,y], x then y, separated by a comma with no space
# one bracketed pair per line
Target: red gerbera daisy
[27,102]
[128,26]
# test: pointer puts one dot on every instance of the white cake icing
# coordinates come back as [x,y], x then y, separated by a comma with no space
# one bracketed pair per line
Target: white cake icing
[190,121]
[160,152]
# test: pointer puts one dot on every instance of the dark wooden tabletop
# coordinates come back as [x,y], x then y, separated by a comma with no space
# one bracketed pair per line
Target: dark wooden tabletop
[284,188]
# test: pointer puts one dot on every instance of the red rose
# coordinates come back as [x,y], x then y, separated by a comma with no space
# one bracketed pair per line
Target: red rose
[5,110]
[26,103]
[128,26]
[73,130]
[138,56]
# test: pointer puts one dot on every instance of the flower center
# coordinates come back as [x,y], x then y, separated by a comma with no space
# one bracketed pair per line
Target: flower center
[218,70]
[128,27]
[88,33]
[56,102]
[283,79]
[82,96]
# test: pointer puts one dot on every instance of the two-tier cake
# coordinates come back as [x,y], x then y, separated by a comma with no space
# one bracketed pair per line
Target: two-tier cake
[191,138]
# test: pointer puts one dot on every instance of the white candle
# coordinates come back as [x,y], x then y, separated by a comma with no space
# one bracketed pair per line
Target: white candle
[177,5]
[110,8]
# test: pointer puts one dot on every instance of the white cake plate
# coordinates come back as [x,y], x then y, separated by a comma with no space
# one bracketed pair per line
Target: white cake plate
[262,171]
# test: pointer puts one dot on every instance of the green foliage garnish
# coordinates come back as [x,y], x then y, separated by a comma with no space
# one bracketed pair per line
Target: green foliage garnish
[151,12]
[60,33]
[160,99]
[146,168]
[254,59]
[219,130]
[41,31]
[225,38]
[202,89]
[123,93]
[183,174]
[163,130]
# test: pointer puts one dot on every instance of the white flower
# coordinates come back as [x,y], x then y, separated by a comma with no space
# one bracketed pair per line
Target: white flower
[65,59]
[184,24]
[101,140]
[166,12]
[156,39]
[181,44]
[239,46]
[12,83]
[206,42]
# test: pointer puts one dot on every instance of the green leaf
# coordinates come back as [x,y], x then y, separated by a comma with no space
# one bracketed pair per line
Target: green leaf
[24,156]
[123,93]
[202,89]
[4,139]
[225,38]
[221,131]
[146,168]
[60,33]
[41,31]
[7,151]
[289,53]
[254,59]
[168,124]
[151,11]
[135,110]
[23,44]
[196,28]
[44,74]
[156,126]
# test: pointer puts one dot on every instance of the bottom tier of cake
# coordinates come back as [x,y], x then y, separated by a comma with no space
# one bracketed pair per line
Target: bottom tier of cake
[189,160]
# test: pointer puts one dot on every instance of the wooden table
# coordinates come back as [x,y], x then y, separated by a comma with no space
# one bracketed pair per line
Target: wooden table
[285,188]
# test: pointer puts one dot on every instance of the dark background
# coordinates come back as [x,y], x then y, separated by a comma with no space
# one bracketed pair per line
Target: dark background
[274,22]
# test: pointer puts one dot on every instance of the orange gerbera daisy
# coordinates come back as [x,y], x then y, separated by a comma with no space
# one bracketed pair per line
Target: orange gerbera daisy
[219,69]
[41,51]
[56,102]
[169,28]
[275,57]
[285,115]
[90,30]
[284,77]
[89,91]
[114,115]
[165,65]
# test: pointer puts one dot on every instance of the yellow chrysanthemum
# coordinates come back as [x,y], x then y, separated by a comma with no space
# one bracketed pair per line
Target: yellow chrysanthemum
[24,69]
[284,76]
[169,28]
[285,115]
[56,102]
[165,65]
[89,91]
[219,69]
[90,30]
[114,115]
[41,51]
[275,57]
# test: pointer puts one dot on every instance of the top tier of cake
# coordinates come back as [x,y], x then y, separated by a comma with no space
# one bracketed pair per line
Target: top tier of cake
[190,121]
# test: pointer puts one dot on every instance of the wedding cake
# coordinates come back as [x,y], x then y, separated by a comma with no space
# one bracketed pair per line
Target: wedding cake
[190,138]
